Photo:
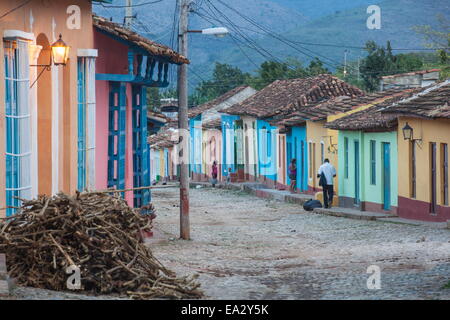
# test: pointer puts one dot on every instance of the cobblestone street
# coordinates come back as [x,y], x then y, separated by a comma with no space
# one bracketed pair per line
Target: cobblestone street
[244,247]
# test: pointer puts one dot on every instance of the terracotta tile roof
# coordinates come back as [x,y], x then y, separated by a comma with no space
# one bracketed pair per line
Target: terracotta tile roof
[153,48]
[287,96]
[166,137]
[213,124]
[410,73]
[193,112]
[157,116]
[336,105]
[432,102]
[373,118]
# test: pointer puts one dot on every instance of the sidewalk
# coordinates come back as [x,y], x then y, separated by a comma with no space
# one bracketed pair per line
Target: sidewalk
[262,191]
[259,190]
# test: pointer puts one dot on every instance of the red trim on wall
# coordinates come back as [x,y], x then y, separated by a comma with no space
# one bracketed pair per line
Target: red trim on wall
[420,210]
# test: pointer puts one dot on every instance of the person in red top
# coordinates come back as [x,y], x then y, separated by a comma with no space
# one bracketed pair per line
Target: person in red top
[214,172]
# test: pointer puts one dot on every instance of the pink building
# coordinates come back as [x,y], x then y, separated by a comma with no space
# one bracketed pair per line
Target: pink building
[126,66]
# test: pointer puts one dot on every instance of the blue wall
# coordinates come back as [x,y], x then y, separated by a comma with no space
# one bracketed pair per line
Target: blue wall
[195,154]
[228,153]
[267,149]
[296,136]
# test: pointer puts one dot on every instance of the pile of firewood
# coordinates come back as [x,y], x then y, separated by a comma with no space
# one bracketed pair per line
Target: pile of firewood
[100,235]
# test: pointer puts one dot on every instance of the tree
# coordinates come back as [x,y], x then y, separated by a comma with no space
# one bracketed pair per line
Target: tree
[374,65]
[438,37]
[225,78]
[316,67]
[153,99]
[289,69]
[381,62]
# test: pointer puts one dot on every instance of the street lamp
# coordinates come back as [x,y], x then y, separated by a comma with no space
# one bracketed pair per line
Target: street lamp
[59,56]
[183,122]
[60,52]
[408,132]
[218,32]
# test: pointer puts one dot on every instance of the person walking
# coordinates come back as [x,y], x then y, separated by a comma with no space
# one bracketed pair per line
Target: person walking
[293,176]
[327,172]
[214,172]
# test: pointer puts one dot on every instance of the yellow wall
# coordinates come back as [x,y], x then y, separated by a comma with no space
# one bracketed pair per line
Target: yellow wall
[316,133]
[437,131]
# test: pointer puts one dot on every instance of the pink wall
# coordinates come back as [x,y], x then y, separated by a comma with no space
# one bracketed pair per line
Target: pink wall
[129,147]
[101,135]
[112,62]
[112,55]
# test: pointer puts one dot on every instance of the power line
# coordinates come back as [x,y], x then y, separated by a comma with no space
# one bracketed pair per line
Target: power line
[133,6]
[14,9]
[251,43]
[278,37]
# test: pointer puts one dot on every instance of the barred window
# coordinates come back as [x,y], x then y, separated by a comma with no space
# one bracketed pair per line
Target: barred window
[18,123]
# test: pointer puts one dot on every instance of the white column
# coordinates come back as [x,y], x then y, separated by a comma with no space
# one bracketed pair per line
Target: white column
[90,55]
[55,129]
[35,50]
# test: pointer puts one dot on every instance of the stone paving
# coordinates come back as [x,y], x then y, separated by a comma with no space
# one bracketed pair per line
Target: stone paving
[244,247]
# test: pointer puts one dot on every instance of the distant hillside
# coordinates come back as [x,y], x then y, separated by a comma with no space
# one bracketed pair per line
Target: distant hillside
[158,17]
[345,28]
[336,22]
[320,8]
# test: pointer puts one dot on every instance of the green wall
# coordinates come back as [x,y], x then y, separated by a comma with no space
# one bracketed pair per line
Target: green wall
[368,192]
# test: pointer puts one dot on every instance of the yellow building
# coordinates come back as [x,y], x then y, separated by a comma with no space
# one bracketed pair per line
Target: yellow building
[423,140]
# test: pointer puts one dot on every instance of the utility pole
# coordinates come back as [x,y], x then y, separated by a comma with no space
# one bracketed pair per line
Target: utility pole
[359,65]
[345,63]
[183,124]
[128,14]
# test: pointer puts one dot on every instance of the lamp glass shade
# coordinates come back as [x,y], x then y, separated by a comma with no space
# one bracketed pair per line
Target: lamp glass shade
[60,52]
[407,132]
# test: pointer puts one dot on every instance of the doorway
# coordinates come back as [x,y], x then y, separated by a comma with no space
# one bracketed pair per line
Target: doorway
[386,176]
[433,177]
[357,186]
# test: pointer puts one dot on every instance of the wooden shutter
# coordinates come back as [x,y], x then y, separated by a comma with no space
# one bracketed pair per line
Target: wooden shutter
[117,136]
[141,160]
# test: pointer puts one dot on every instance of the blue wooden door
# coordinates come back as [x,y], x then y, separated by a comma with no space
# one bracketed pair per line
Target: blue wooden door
[386,176]
[141,157]
[357,184]
[117,136]
[302,167]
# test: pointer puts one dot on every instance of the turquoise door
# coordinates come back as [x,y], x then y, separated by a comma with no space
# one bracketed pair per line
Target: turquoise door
[386,176]
[357,186]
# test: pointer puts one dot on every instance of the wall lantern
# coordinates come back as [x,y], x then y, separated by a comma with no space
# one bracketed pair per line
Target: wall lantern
[60,52]
[59,57]
[408,133]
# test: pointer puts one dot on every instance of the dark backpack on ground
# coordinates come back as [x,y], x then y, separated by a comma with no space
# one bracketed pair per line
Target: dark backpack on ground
[310,205]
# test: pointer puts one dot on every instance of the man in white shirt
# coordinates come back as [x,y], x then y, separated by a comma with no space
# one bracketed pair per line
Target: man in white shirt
[329,173]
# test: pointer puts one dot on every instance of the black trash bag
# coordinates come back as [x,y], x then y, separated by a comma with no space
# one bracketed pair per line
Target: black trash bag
[310,205]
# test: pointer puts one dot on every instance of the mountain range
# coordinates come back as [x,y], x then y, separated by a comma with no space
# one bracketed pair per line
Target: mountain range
[277,29]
